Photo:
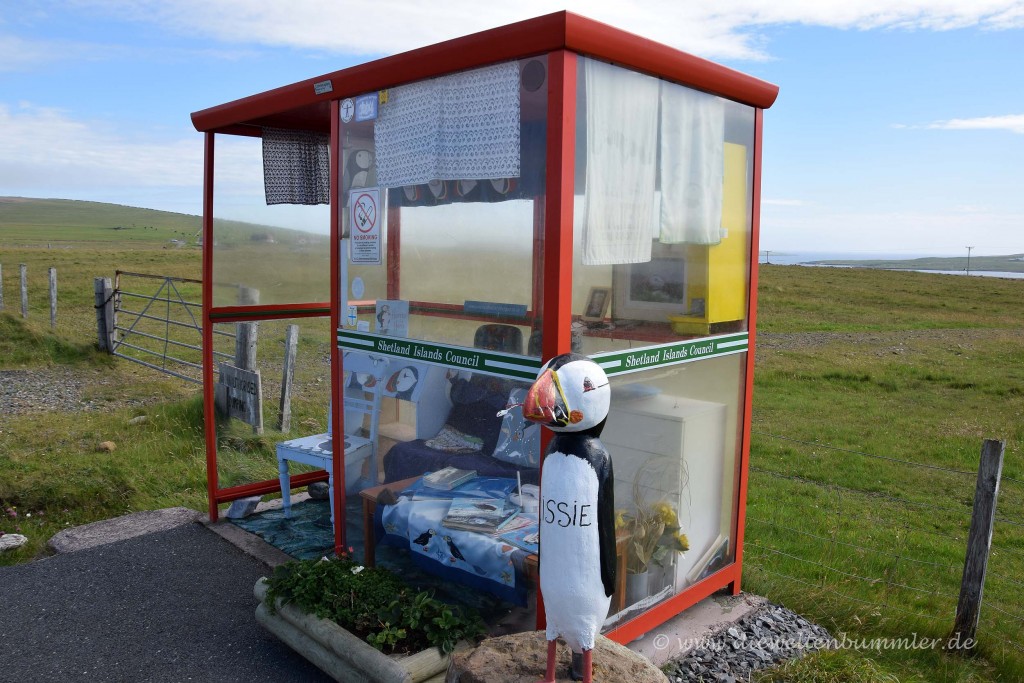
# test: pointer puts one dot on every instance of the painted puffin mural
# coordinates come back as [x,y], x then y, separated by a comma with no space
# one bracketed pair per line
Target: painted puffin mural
[577,518]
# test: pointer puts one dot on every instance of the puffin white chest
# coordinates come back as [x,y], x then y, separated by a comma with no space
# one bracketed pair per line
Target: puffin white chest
[570,566]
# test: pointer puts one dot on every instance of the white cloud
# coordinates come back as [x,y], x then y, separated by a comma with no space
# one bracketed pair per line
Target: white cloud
[46,151]
[724,29]
[1010,122]
[18,54]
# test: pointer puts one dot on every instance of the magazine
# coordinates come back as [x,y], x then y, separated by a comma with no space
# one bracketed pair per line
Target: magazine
[448,478]
[519,521]
[525,537]
[484,515]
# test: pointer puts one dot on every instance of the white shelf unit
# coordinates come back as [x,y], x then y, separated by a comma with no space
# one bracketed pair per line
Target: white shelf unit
[676,447]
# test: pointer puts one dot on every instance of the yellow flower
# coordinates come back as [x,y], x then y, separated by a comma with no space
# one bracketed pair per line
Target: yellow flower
[620,518]
[666,513]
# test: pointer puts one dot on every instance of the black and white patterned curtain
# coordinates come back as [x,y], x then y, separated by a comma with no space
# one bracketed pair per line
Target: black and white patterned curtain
[296,167]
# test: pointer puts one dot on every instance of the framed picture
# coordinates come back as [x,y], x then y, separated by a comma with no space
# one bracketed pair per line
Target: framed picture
[597,304]
[650,291]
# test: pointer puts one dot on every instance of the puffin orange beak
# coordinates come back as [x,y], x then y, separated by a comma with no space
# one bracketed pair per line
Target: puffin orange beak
[545,402]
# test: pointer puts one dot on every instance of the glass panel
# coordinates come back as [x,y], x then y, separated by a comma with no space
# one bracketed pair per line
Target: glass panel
[466,245]
[278,253]
[680,477]
[674,262]
[660,280]
[443,287]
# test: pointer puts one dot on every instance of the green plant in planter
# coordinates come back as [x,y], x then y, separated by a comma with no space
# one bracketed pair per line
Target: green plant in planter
[374,604]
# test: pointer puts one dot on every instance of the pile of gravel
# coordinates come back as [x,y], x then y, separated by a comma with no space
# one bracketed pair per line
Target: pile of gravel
[761,639]
[42,390]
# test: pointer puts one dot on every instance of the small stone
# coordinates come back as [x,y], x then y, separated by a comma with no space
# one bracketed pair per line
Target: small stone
[12,541]
[141,419]
[319,490]
[107,447]
[243,507]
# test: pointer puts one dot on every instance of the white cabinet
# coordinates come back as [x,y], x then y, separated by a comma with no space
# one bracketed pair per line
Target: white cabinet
[672,448]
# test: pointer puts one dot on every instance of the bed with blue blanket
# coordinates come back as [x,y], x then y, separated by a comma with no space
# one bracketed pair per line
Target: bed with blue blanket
[479,560]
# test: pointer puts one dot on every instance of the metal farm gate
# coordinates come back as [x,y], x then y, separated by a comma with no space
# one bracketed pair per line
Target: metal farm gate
[161,330]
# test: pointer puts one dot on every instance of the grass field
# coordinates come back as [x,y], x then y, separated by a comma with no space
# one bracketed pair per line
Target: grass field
[873,392]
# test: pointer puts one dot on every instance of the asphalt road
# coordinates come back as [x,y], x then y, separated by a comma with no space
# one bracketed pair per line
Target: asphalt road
[173,605]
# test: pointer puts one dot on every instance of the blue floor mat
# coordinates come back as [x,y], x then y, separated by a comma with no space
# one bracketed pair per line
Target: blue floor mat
[307,534]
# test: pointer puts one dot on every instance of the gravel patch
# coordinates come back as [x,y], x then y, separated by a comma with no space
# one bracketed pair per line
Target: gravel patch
[55,389]
[761,639]
[43,390]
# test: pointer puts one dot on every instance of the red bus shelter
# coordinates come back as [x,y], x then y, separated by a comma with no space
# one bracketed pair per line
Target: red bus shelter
[495,200]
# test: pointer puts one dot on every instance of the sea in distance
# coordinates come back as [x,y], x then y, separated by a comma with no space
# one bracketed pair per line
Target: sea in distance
[980,265]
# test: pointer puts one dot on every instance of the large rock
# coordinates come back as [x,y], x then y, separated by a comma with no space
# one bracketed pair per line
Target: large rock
[120,528]
[521,658]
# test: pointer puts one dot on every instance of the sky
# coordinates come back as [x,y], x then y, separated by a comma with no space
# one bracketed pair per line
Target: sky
[899,127]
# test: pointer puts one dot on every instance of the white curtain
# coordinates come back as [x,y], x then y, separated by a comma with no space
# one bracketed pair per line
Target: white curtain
[622,147]
[459,127]
[691,165]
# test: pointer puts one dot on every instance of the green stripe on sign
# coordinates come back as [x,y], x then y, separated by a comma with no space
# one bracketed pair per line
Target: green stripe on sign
[635,360]
[477,360]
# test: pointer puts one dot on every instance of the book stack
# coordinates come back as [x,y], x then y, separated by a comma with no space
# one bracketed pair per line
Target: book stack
[448,478]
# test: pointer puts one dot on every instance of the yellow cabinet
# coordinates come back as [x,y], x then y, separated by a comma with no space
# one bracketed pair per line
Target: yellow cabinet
[716,275]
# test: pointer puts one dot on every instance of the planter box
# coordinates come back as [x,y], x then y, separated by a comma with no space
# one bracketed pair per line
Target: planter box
[342,655]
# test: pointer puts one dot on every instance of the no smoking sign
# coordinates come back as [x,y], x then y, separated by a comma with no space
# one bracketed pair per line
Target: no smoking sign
[364,217]
[364,212]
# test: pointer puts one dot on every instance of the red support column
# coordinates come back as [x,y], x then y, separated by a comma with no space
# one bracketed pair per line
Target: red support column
[558,208]
[209,416]
[755,233]
[337,372]
[558,215]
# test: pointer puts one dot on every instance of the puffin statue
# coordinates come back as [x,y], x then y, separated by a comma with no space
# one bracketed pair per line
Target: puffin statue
[577,514]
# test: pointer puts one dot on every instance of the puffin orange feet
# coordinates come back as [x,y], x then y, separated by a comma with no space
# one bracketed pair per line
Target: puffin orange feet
[549,674]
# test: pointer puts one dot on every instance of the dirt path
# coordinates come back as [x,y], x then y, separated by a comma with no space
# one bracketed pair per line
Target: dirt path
[789,341]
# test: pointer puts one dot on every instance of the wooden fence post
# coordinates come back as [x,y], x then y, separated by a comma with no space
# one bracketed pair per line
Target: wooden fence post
[1,287]
[104,313]
[291,343]
[246,333]
[53,298]
[979,541]
[24,289]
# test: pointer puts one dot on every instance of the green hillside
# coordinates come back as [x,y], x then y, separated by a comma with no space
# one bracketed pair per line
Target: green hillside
[1012,263]
[25,221]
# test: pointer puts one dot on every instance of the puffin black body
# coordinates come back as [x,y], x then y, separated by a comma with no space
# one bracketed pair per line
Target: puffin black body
[571,396]
[424,538]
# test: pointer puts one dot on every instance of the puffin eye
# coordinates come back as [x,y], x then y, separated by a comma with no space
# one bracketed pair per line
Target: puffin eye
[589,386]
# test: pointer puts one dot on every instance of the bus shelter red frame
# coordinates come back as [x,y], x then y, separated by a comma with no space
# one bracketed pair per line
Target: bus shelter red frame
[561,36]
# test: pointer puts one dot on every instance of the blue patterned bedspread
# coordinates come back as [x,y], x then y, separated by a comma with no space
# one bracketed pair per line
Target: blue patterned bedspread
[475,559]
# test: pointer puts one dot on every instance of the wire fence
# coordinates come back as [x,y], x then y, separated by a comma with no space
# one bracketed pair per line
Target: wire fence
[878,540]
